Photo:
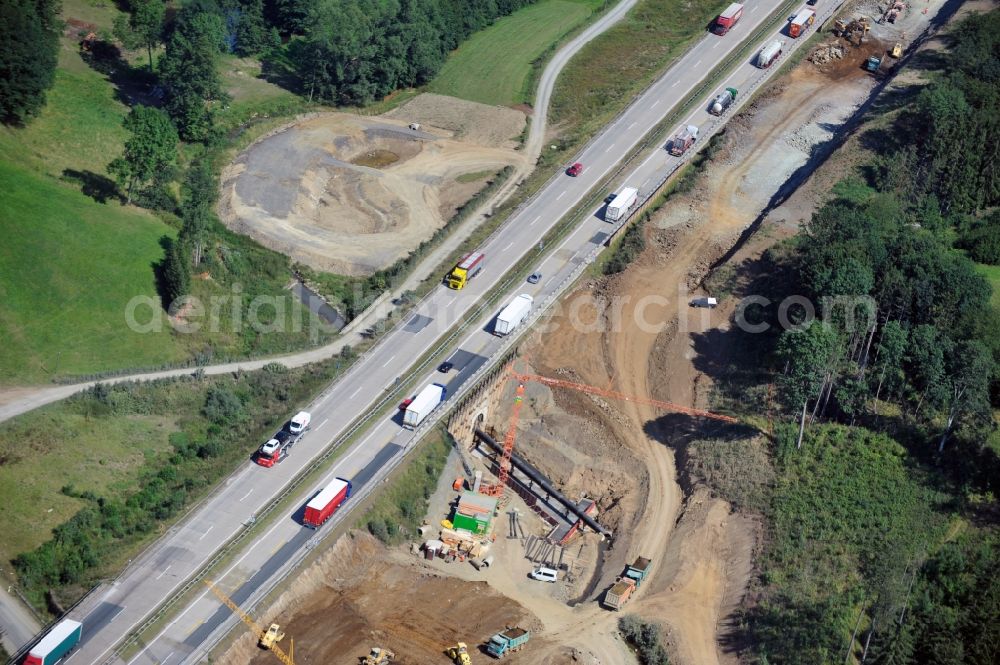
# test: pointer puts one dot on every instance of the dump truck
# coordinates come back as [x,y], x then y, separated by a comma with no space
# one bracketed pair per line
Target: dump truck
[683,140]
[425,401]
[725,21]
[326,502]
[270,637]
[639,570]
[621,204]
[57,643]
[512,315]
[723,101]
[626,584]
[512,639]
[467,268]
[801,22]
[873,63]
[767,55]
[619,593]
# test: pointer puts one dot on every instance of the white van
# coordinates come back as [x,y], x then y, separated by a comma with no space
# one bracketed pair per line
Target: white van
[543,574]
[299,423]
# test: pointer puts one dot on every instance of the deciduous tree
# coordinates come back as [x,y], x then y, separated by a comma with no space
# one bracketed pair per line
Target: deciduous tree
[151,147]
[29,46]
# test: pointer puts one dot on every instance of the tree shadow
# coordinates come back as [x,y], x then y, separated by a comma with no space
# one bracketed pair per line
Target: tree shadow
[96,186]
[132,85]
[158,267]
[278,67]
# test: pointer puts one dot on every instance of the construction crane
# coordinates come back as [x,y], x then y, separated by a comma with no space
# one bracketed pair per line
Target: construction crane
[508,447]
[261,634]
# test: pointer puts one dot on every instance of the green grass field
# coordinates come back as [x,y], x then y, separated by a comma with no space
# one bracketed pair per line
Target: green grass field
[102,455]
[70,266]
[494,65]
[992,273]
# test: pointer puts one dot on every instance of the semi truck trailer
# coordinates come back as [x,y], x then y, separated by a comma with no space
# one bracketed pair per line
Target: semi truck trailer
[324,504]
[725,21]
[722,101]
[621,204]
[467,268]
[801,22]
[683,140]
[426,401]
[512,315]
[767,55]
[57,643]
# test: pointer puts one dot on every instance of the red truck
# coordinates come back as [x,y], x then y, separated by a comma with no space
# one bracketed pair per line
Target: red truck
[725,21]
[323,505]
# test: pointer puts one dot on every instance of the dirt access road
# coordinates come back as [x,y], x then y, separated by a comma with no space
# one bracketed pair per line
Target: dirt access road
[635,333]
[625,453]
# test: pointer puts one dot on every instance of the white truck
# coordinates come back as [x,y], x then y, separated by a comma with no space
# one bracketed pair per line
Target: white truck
[621,204]
[512,315]
[768,54]
[426,401]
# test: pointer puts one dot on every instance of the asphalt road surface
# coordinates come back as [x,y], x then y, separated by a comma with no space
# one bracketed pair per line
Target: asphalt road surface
[113,612]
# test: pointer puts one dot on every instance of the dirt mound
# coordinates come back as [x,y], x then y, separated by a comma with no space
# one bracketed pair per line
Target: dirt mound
[351,194]
[360,595]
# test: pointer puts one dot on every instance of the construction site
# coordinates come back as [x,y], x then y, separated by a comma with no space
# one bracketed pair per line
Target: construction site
[567,499]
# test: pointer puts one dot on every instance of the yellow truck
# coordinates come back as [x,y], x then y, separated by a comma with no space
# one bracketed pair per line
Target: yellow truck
[467,268]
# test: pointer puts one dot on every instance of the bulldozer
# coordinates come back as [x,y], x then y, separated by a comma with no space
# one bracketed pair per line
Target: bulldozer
[852,30]
[270,637]
[378,656]
[460,654]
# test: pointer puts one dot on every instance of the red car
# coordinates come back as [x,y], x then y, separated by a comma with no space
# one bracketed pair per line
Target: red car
[575,170]
[405,403]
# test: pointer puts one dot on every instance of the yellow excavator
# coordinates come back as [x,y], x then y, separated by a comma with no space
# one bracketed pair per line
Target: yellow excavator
[460,654]
[270,637]
[379,656]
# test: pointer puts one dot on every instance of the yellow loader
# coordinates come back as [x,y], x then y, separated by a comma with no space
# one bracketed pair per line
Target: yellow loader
[460,654]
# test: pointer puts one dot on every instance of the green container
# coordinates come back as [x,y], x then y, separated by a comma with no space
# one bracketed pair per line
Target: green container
[476,526]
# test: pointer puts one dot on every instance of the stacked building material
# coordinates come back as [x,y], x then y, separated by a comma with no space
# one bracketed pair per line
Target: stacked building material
[474,513]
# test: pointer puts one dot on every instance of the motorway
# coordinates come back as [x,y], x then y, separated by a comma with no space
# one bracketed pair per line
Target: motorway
[109,616]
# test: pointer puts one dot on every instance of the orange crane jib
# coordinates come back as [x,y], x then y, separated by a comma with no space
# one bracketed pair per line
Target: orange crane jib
[582,387]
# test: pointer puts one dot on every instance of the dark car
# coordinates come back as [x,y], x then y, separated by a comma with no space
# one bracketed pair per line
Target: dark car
[445,367]
[610,197]
[575,170]
[811,3]
[535,277]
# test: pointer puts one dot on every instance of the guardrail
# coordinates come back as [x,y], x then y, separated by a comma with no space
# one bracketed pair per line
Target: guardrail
[391,394]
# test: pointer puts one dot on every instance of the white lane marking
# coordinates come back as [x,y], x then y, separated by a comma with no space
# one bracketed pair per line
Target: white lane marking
[164,571]
[391,358]
[120,610]
[751,8]
[632,125]
[246,495]
[535,220]
[674,83]
[356,391]
[206,532]
[509,245]
[561,194]
[169,656]
[608,149]
[323,423]
[696,64]
[715,44]
[655,102]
